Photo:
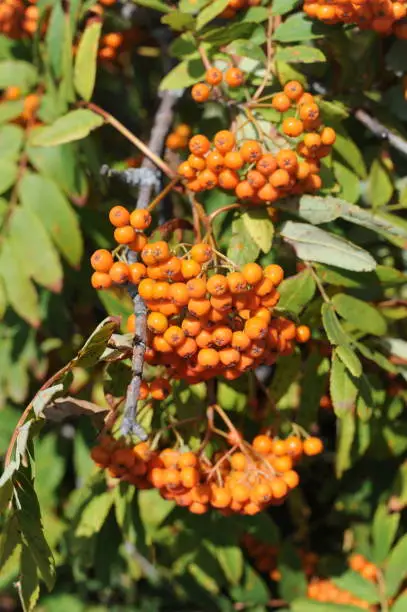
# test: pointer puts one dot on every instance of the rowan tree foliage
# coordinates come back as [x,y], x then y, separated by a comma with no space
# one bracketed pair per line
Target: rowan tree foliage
[203,305]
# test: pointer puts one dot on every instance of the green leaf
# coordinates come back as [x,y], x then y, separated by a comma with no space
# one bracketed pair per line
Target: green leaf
[186,73]
[210,12]
[360,314]
[86,60]
[380,186]
[94,515]
[75,125]
[401,602]
[31,240]
[384,529]
[178,21]
[307,605]
[260,227]
[358,586]
[29,518]
[314,244]
[281,7]
[18,73]
[43,398]
[314,384]
[348,356]
[253,589]
[246,48]
[346,430]
[293,583]
[396,569]
[28,586]
[298,27]
[242,249]
[286,372]
[20,291]
[348,151]
[348,181]
[55,39]
[10,110]
[153,510]
[334,330]
[299,54]
[42,196]
[296,292]
[95,345]
[231,560]
[343,388]
[8,174]
[157,5]
[11,141]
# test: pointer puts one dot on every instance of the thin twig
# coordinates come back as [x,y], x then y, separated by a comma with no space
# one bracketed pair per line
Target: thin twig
[269,67]
[380,130]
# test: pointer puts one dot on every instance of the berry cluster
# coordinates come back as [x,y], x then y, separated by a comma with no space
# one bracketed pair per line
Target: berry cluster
[110,46]
[201,323]
[234,6]
[233,77]
[243,480]
[325,591]
[383,16]
[178,139]
[17,19]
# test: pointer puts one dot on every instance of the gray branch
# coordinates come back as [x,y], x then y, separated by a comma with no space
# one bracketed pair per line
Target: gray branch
[380,130]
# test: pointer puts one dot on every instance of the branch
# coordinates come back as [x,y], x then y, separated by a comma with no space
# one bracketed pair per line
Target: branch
[162,122]
[380,130]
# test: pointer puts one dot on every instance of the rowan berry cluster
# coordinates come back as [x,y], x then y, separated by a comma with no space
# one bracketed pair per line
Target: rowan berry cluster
[201,323]
[383,16]
[244,481]
[178,139]
[326,591]
[233,77]
[17,19]
[234,6]
[255,174]
[110,46]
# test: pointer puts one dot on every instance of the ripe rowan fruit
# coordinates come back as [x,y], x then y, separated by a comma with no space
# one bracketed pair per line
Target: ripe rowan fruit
[119,272]
[256,179]
[124,235]
[186,171]
[215,161]
[251,151]
[253,273]
[224,141]
[199,307]
[213,76]
[208,358]
[275,273]
[190,268]
[233,160]
[101,280]
[196,287]
[183,130]
[309,112]
[328,135]
[293,90]
[137,271]
[313,446]
[174,142]
[234,77]
[201,252]
[199,145]
[196,162]
[119,216]
[280,179]
[101,260]
[200,92]
[266,164]
[244,190]
[139,242]
[292,127]
[157,322]
[291,479]
[207,179]
[187,348]
[262,444]
[228,179]
[217,285]
[160,388]
[140,219]
[281,102]
[255,328]
[279,488]
[179,294]
[222,336]
[303,333]
[174,335]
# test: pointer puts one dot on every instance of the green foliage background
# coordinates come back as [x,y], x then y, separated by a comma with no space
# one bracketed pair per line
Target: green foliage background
[122,550]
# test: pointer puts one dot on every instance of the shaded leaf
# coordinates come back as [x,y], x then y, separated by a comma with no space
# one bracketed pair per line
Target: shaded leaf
[298,27]
[210,12]
[361,314]
[260,227]
[296,292]
[11,141]
[380,186]
[94,515]
[95,345]
[396,569]
[300,54]
[186,73]
[28,585]
[343,388]
[43,398]
[66,407]
[75,125]
[281,7]
[384,529]
[293,583]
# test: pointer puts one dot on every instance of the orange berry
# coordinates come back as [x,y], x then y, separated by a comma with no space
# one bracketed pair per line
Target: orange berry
[306,98]
[303,170]
[119,216]
[189,477]
[275,273]
[179,294]
[207,179]
[357,562]
[197,508]
[292,127]
[224,141]
[101,260]
[244,190]
[328,135]
[185,170]
[183,130]
[266,164]
[221,497]
[268,193]
[280,179]
[233,160]
[238,461]
[291,479]
[12,92]
[234,77]
[281,102]
[137,271]
[369,571]
[223,303]
[256,179]
[228,179]
[303,333]
[236,282]
[215,161]
[293,446]
[217,285]
[199,307]
[172,478]
[200,92]
[213,76]
[279,448]
[253,273]
[174,335]
[293,90]
[113,39]
[187,459]
[261,493]
[124,235]
[251,151]
[101,280]
[174,142]
[208,358]
[187,349]
[283,464]
[287,160]
[100,456]
[161,291]
[255,328]
[160,388]
[309,112]
[279,488]
[196,288]
[169,457]
[201,252]
[119,272]
[313,446]
[191,327]
[240,341]
[199,145]
[157,322]
[139,242]
[262,444]
[190,268]
[240,493]
[146,288]
[222,336]
[196,162]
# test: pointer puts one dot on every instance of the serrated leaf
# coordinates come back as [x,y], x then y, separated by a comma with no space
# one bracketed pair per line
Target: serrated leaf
[29,519]
[11,141]
[380,186]
[86,60]
[242,249]
[31,240]
[343,388]
[348,356]
[186,73]
[20,291]
[298,27]
[360,314]
[333,328]
[8,174]
[396,569]
[299,54]
[210,12]
[95,345]
[281,7]
[260,227]
[94,515]
[28,586]
[358,586]
[18,73]
[75,125]
[296,291]
[312,243]
[42,196]
[384,529]
[43,398]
